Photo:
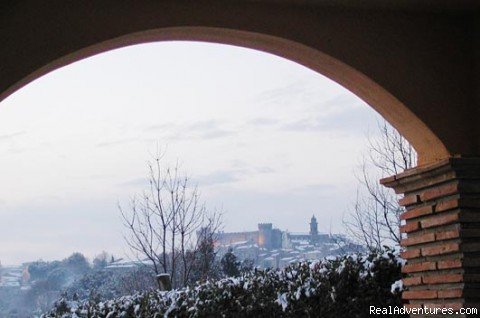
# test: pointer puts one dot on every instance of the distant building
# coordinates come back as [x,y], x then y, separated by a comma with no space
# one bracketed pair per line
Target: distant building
[270,247]
[266,237]
[312,237]
[313,229]
[12,277]
[271,238]
[123,264]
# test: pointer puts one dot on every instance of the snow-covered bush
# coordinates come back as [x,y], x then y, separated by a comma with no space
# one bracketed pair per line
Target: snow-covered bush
[105,284]
[334,287]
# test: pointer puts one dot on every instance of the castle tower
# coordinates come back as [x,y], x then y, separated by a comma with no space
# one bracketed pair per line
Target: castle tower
[313,229]
[265,235]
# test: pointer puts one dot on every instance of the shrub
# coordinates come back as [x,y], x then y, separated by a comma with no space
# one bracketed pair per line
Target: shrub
[106,284]
[334,287]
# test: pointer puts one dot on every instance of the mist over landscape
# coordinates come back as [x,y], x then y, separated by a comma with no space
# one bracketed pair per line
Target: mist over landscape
[266,143]
[267,156]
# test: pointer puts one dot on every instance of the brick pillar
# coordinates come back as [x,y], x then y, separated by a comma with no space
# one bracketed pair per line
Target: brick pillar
[441,233]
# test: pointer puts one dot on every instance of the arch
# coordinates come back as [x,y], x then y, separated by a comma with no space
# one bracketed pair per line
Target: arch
[429,146]
[415,64]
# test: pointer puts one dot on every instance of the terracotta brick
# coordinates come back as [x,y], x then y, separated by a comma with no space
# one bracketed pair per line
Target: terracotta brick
[420,294]
[416,212]
[441,249]
[409,200]
[411,306]
[447,235]
[446,205]
[449,263]
[439,220]
[454,306]
[442,231]
[435,305]
[388,179]
[450,293]
[438,192]
[441,279]
[419,267]
[410,227]
[411,253]
[412,281]
[418,239]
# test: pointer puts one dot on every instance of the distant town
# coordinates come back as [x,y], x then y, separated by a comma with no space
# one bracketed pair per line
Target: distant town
[269,247]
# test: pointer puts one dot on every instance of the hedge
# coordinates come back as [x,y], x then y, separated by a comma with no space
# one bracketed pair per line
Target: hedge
[344,286]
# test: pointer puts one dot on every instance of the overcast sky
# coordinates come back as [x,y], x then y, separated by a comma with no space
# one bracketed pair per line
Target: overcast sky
[266,139]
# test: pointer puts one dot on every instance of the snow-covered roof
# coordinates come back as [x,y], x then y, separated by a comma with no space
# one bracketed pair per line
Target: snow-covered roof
[299,234]
[10,284]
[239,243]
[122,263]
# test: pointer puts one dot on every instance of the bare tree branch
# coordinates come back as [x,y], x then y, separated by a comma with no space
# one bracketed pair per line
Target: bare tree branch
[374,219]
[162,224]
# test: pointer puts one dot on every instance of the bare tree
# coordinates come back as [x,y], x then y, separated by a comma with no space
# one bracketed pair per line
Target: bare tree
[375,217]
[161,224]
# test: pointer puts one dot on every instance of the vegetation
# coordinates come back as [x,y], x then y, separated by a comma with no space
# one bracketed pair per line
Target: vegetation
[170,227]
[230,265]
[46,280]
[374,220]
[336,287]
[72,278]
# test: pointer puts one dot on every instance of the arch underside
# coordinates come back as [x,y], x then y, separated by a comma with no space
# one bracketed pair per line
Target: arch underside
[352,48]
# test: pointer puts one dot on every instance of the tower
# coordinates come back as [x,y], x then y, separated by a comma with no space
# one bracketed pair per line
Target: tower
[313,229]
[265,235]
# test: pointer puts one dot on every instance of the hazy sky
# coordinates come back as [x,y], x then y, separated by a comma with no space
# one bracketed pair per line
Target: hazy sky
[265,138]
